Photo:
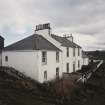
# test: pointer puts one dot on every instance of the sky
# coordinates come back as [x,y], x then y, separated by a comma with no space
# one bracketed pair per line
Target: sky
[85,19]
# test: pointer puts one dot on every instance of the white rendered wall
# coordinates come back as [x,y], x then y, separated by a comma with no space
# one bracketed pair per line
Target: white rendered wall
[85,61]
[78,58]
[24,61]
[50,67]
[71,59]
[30,63]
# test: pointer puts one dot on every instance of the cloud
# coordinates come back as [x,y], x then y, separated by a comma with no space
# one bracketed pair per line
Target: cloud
[84,18]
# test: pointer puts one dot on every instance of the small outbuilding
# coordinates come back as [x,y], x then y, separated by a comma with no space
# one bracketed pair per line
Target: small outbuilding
[85,59]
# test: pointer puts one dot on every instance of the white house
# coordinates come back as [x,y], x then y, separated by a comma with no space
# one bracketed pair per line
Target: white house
[44,56]
[71,53]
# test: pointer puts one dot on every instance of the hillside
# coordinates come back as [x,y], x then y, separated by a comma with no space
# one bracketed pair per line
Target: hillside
[17,89]
[96,54]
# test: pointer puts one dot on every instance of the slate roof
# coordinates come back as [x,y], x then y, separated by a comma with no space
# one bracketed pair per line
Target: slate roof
[1,43]
[1,37]
[64,41]
[33,42]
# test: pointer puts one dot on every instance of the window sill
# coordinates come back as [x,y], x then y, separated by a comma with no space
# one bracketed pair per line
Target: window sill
[57,61]
[44,63]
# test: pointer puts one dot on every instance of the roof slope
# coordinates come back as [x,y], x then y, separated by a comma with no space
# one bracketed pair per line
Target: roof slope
[1,37]
[33,42]
[64,41]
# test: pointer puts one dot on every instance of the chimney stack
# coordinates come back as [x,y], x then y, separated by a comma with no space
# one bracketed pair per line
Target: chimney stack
[42,26]
[43,29]
[69,37]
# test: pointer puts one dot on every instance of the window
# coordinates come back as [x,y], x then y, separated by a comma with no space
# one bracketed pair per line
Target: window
[67,67]
[67,52]
[78,64]
[57,56]
[45,75]
[57,72]
[44,57]
[78,52]
[73,51]
[73,66]
[6,58]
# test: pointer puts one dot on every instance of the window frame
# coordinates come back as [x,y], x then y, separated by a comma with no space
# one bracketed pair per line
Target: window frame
[67,53]
[78,51]
[45,75]
[6,58]
[78,63]
[74,68]
[74,51]
[57,56]
[67,67]
[57,72]
[44,57]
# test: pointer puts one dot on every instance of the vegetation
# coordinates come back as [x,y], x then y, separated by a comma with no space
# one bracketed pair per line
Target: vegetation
[17,89]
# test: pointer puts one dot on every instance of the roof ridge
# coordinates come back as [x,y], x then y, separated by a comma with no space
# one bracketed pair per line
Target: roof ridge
[56,35]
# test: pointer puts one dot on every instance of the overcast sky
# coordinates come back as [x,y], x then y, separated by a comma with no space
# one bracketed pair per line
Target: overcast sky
[85,19]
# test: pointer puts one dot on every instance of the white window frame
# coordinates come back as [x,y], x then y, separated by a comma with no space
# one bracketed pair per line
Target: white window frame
[44,57]
[74,51]
[74,66]
[67,67]
[78,64]
[78,51]
[6,58]
[57,72]
[45,75]
[57,56]
[67,53]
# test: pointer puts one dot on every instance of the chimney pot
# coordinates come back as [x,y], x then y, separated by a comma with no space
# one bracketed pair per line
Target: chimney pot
[43,26]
